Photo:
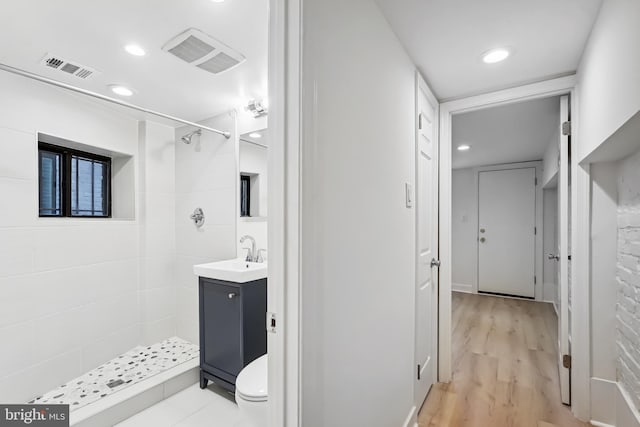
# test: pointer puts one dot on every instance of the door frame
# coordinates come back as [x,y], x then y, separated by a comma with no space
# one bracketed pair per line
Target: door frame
[421,86]
[580,200]
[283,292]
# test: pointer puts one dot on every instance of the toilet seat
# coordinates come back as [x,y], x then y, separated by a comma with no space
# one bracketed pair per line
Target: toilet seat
[251,383]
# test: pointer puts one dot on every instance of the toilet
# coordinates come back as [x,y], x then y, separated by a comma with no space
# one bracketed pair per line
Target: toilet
[251,392]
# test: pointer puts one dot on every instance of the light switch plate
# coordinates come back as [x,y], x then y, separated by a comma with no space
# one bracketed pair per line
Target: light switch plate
[409,195]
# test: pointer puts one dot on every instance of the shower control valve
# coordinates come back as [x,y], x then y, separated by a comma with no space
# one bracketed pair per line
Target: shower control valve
[198,217]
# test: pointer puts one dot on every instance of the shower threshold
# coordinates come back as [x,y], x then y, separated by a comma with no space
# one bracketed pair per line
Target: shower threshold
[128,383]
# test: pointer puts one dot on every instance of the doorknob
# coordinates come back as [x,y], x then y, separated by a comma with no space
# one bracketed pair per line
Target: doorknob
[553,257]
[435,262]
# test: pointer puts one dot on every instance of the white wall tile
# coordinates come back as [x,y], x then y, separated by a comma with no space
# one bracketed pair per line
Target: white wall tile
[19,349]
[20,158]
[61,332]
[217,242]
[158,272]
[16,251]
[22,386]
[188,326]
[156,331]
[184,270]
[219,206]
[23,209]
[159,240]
[98,351]
[159,208]
[158,303]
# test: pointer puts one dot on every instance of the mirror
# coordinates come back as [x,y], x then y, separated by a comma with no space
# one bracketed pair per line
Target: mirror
[252,187]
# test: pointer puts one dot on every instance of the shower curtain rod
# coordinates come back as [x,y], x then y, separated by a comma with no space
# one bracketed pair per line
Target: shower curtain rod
[52,82]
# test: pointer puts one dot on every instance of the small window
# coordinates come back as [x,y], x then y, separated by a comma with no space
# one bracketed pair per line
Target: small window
[73,183]
[245,195]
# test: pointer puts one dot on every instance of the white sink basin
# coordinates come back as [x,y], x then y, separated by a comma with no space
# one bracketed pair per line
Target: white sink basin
[232,270]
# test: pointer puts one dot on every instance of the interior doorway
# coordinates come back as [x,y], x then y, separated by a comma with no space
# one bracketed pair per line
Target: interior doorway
[464,276]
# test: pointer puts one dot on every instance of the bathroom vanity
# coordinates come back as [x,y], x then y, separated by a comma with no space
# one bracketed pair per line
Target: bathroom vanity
[233,309]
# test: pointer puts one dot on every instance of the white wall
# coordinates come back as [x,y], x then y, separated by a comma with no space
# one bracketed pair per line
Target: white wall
[68,287]
[608,83]
[551,160]
[607,76]
[464,212]
[550,246]
[206,177]
[358,246]
[157,232]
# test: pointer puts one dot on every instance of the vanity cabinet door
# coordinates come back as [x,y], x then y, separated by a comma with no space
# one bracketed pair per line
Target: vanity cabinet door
[222,327]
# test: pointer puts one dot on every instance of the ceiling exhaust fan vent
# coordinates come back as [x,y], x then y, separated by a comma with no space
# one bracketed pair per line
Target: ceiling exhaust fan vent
[58,63]
[203,51]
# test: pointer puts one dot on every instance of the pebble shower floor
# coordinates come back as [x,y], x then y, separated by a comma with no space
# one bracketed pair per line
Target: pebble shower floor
[125,370]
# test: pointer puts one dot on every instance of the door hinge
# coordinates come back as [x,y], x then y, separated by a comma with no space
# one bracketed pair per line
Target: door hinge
[420,121]
[418,371]
[535,231]
[271,322]
[566,128]
[535,280]
[535,182]
[566,361]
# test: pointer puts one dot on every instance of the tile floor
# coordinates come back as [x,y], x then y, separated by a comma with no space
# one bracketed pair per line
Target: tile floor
[130,368]
[192,407]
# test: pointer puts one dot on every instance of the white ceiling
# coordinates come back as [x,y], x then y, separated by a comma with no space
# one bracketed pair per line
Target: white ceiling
[94,32]
[505,134]
[446,39]
[263,139]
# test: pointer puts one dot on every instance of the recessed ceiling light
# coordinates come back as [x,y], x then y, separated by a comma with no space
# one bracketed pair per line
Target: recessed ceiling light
[217,1]
[495,55]
[135,50]
[464,147]
[121,90]
[255,135]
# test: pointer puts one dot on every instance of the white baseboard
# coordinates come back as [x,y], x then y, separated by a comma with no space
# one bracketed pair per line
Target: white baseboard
[412,418]
[461,287]
[627,414]
[603,408]
[611,405]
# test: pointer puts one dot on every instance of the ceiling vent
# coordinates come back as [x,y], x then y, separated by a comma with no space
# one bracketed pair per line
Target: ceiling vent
[64,66]
[203,51]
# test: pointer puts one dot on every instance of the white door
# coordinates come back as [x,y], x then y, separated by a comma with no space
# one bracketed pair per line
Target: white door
[426,242]
[506,231]
[563,256]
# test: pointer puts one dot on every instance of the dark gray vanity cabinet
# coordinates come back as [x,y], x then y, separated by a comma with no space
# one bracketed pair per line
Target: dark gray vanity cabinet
[233,329]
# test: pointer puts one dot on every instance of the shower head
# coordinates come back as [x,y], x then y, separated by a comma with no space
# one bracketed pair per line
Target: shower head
[187,138]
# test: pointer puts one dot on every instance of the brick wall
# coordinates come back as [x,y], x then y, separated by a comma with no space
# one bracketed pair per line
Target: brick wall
[628,272]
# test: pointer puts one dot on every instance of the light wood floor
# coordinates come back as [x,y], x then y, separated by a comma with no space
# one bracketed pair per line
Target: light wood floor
[505,370]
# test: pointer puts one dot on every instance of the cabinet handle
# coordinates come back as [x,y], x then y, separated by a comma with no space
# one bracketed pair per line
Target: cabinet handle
[232,295]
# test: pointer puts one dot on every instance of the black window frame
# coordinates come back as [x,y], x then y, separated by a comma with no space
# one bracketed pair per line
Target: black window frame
[65,182]
[245,196]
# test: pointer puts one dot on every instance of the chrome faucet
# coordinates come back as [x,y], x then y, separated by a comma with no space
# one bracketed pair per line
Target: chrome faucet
[251,253]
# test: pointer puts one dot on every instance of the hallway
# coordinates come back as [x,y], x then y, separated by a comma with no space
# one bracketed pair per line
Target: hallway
[505,369]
